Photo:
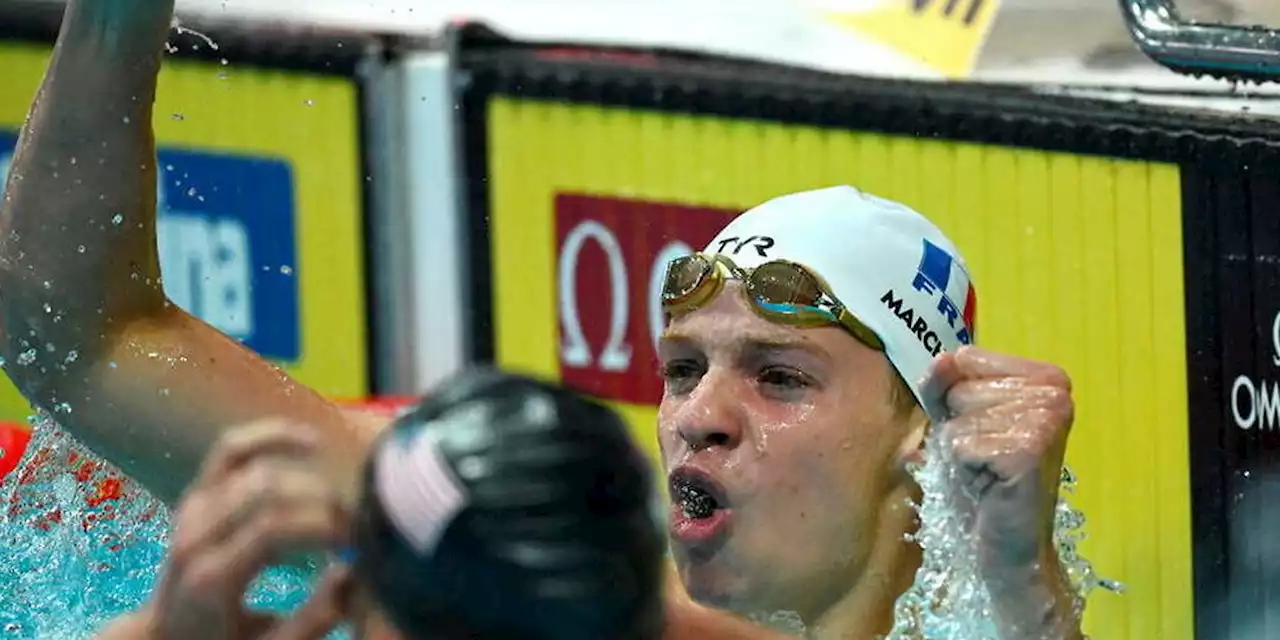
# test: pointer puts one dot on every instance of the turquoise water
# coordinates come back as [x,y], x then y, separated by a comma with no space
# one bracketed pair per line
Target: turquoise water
[70,565]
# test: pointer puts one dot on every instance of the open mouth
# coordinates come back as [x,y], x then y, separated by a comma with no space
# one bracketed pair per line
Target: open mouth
[698,496]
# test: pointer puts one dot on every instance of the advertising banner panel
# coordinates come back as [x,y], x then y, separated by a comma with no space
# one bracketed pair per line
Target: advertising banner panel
[1077,259]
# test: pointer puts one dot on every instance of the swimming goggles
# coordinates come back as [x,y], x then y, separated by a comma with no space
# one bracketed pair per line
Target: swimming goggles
[779,290]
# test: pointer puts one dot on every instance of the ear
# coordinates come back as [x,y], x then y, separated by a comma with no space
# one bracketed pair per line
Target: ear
[911,448]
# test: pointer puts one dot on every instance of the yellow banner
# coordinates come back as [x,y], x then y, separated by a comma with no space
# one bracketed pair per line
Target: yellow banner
[260,221]
[1078,260]
[946,35]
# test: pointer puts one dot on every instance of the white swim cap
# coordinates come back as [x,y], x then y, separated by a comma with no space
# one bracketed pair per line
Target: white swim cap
[891,267]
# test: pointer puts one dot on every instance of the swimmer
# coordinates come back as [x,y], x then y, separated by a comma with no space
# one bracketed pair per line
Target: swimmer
[787,423]
[502,507]
[811,348]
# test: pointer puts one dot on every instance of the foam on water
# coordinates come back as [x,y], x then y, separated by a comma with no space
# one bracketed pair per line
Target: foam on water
[948,599]
[71,560]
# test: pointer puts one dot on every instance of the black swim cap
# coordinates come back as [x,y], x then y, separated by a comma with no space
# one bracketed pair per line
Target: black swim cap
[506,507]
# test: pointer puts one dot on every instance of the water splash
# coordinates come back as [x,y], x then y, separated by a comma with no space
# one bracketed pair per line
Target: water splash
[786,622]
[180,28]
[949,599]
[76,556]
[1068,532]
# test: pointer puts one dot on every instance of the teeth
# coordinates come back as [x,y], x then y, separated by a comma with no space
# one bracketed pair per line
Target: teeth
[695,502]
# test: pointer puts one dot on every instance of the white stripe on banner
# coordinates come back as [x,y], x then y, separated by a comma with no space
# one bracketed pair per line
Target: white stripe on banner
[418,490]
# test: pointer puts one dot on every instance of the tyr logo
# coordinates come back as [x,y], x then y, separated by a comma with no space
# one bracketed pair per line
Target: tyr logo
[735,245]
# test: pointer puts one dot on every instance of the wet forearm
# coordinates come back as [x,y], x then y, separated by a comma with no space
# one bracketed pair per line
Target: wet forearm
[1037,603]
[77,223]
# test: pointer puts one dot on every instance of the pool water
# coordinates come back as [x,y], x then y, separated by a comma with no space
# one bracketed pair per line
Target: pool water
[74,559]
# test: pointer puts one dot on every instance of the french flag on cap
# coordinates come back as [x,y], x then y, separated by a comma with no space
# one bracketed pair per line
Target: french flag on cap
[940,271]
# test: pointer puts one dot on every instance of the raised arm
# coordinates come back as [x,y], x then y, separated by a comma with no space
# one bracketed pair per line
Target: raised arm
[86,331]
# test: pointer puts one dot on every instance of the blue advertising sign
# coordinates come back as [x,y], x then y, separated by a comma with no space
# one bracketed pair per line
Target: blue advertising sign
[228,249]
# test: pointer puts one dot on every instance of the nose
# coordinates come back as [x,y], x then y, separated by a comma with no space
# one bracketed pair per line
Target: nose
[712,416]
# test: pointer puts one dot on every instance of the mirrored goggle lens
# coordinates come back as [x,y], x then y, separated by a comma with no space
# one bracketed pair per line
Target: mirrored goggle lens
[684,276]
[785,288]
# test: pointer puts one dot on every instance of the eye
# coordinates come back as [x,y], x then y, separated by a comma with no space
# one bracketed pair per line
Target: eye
[681,375]
[783,378]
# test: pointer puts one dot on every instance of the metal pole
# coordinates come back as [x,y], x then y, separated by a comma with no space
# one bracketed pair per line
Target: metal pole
[1222,51]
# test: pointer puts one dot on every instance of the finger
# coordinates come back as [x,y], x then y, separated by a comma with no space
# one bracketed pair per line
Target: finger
[1027,420]
[976,362]
[977,464]
[274,532]
[224,569]
[239,446]
[210,516]
[194,525]
[974,395]
[943,373]
[996,451]
[269,483]
[1008,439]
[219,522]
[326,609]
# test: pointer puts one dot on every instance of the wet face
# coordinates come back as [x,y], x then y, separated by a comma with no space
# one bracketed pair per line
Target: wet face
[784,448]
